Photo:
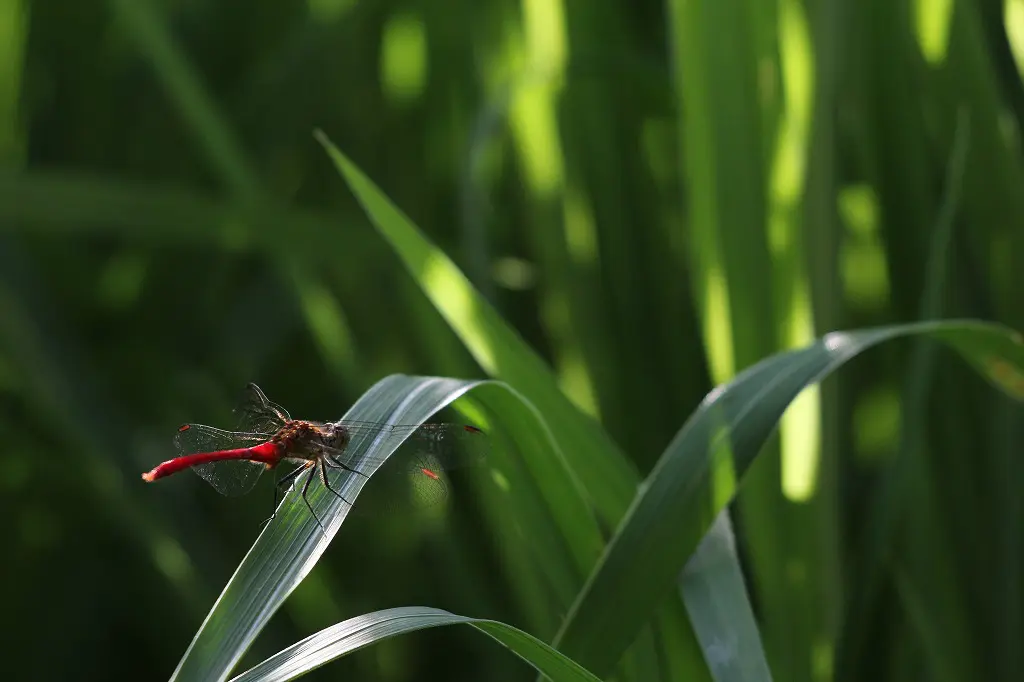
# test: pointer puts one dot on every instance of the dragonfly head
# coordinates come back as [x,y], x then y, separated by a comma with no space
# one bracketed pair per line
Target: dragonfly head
[334,436]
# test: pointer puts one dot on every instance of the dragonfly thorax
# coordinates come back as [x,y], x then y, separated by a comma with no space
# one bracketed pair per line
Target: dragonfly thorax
[334,436]
[304,438]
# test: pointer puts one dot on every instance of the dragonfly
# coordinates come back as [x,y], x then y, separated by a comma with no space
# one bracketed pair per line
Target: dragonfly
[267,437]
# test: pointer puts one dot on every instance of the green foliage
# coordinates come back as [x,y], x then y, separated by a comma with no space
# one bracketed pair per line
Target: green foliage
[355,633]
[620,208]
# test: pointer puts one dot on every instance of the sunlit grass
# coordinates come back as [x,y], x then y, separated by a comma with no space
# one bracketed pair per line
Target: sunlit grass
[932,21]
[404,68]
[14,22]
[596,164]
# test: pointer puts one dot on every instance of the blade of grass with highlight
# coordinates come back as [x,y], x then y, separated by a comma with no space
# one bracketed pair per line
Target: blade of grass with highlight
[593,459]
[606,475]
[290,546]
[717,601]
[752,296]
[700,471]
[362,631]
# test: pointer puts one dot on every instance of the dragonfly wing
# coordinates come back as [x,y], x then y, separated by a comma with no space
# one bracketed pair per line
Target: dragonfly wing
[194,438]
[231,478]
[446,446]
[398,489]
[257,414]
[413,477]
[428,483]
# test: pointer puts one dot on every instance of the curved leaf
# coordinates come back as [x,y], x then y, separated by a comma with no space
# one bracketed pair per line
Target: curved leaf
[719,607]
[361,631]
[562,531]
[290,546]
[607,476]
[602,470]
[699,472]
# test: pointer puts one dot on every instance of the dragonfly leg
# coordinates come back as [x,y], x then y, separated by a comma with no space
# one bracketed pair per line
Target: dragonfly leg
[288,479]
[331,462]
[323,478]
[273,509]
[335,463]
[305,487]
[284,481]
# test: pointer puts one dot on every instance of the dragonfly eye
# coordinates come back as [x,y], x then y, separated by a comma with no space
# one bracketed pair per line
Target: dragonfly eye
[336,437]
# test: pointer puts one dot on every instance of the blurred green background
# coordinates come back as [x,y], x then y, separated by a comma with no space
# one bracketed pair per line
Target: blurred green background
[654,194]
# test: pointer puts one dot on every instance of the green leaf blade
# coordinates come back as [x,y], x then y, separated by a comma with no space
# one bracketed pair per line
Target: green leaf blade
[362,631]
[606,474]
[290,546]
[679,501]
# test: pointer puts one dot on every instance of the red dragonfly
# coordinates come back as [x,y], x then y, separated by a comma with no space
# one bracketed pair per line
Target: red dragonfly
[267,436]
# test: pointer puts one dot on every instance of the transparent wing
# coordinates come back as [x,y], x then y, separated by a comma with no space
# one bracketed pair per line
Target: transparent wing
[405,493]
[231,477]
[414,477]
[441,447]
[257,414]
